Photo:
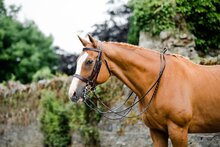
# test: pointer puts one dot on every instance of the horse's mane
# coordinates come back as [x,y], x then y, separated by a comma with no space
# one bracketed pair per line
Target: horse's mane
[128,46]
[140,49]
[134,47]
[131,47]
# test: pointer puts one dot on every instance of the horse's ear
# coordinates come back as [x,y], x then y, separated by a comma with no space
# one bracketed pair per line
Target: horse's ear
[83,41]
[93,41]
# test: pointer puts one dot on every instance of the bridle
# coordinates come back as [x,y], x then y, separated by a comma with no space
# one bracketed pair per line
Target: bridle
[91,86]
[91,80]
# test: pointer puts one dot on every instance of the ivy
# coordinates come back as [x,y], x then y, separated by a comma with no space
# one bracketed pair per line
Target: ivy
[202,18]
[151,16]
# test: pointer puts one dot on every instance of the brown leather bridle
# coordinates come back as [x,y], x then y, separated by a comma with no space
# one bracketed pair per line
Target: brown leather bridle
[91,81]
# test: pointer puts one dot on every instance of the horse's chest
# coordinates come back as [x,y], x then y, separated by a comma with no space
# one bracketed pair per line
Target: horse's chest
[153,121]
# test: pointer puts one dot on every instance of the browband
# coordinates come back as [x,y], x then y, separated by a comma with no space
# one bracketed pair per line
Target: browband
[91,80]
[91,49]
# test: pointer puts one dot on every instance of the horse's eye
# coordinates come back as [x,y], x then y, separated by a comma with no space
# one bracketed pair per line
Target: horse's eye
[89,62]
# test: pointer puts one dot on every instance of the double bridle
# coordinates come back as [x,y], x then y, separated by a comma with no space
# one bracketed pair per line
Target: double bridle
[91,86]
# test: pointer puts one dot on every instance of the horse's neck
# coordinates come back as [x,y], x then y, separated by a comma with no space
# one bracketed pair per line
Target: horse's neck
[136,67]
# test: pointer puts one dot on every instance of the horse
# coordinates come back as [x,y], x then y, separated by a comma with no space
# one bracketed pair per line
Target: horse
[187,99]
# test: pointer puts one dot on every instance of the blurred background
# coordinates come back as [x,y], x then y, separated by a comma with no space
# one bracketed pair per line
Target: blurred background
[39,47]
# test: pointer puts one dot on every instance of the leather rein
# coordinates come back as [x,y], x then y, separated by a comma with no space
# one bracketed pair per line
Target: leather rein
[91,87]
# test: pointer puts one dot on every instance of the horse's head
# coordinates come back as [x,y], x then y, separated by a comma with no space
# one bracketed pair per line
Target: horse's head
[91,69]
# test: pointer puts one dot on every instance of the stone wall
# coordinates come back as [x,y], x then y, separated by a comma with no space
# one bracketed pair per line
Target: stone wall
[15,135]
[178,43]
[19,112]
[20,127]
[125,134]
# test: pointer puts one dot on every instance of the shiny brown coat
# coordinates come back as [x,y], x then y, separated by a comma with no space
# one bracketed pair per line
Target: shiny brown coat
[188,98]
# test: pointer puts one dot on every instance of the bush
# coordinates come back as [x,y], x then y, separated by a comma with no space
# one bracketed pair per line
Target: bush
[151,16]
[90,136]
[54,121]
[85,120]
[24,49]
[44,73]
[59,118]
[202,18]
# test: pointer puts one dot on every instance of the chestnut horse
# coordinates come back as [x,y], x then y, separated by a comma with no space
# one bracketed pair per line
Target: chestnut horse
[188,97]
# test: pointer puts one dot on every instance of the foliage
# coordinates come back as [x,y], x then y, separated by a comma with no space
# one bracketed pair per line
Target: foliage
[151,16]
[59,117]
[90,135]
[85,120]
[43,73]
[116,27]
[54,121]
[110,91]
[89,131]
[203,18]
[133,33]
[2,8]
[24,49]
[79,117]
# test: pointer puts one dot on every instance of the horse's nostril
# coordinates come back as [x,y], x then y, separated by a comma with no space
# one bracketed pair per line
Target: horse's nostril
[74,97]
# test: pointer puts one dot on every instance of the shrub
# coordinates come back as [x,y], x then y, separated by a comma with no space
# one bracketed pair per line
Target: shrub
[85,120]
[90,135]
[43,73]
[203,18]
[151,16]
[55,121]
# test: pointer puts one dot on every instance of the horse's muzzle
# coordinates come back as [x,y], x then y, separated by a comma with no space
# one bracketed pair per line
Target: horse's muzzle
[74,99]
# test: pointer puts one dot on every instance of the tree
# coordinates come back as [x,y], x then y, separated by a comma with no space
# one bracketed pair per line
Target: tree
[24,49]
[2,8]
[116,27]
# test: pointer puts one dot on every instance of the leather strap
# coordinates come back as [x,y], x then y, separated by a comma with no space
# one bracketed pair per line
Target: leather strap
[91,49]
[81,78]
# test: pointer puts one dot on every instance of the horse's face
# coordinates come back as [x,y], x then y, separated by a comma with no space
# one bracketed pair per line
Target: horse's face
[85,66]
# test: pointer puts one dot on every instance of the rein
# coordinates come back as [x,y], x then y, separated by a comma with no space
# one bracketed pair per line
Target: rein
[91,86]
